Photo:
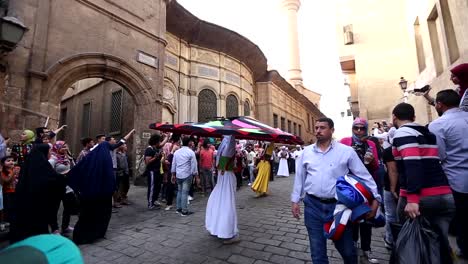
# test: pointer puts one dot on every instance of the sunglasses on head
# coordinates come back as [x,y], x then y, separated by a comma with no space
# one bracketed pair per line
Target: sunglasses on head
[358,128]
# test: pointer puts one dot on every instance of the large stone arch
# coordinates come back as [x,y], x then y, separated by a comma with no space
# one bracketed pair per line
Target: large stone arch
[61,75]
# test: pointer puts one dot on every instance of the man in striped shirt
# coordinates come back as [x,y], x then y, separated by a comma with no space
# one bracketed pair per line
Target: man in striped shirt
[424,189]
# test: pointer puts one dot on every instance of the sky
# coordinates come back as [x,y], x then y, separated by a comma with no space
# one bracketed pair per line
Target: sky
[264,23]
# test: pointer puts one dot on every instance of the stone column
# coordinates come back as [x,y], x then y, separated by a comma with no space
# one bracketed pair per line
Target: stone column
[183,106]
[295,74]
[193,106]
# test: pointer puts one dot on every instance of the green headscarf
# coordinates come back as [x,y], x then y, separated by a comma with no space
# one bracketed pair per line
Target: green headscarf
[31,136]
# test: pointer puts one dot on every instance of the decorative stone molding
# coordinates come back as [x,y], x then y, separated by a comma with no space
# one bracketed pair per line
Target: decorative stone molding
[182,91]
[192,92]
[222,97]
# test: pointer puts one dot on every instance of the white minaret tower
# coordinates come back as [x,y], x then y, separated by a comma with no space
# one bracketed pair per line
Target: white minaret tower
[295,74]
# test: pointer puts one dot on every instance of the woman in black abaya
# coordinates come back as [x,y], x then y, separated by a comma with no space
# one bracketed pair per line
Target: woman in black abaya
[93,181]
[38,187]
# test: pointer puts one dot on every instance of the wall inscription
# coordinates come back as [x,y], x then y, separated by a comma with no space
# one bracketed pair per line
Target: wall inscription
[208,71]
[147,59]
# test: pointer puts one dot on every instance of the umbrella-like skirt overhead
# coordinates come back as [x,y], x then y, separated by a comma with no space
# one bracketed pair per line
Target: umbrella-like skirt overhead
[240,127]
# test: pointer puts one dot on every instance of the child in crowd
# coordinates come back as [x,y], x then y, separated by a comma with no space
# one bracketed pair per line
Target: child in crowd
[8,179]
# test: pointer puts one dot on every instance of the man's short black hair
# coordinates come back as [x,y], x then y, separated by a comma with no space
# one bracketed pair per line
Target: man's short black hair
[448,97]
[186,140]
[40,130]
[154,140]
[327,120]
[404,112]
[108,138]
[85,141]
[100,136]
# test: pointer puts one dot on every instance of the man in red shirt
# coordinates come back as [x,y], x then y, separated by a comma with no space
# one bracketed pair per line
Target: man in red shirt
[206,166]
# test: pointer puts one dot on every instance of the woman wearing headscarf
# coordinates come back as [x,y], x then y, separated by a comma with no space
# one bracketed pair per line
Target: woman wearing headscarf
[367,152]
[94,183]
[37,185]
[260,185]
[221,215]
[459,77]
[62,162]
[283,170]
[21,150]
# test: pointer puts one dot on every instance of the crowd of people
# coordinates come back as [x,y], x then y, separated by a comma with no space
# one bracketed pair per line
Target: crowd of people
[403,171]
[39,174]
[410,171]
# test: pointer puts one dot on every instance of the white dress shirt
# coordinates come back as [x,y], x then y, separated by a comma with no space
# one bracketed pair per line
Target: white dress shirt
[317,171]
[184,163]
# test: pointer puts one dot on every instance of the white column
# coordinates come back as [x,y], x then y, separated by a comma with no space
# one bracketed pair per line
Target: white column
[295,74]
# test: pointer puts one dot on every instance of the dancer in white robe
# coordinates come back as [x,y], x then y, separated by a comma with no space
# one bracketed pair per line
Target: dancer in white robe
[283,170]
[221,215]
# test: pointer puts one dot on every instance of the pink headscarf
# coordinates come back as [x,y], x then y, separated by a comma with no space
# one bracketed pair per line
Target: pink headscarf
[61,158]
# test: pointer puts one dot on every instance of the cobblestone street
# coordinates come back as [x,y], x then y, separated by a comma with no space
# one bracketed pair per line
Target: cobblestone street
[268,232]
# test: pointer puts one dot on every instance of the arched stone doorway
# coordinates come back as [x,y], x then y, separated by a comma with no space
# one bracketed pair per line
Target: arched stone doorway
[64,73]
[232,106]
[207,105]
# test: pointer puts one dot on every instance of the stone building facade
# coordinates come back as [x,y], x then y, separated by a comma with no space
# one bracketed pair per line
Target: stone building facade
[375,51]
[71,40]
[81,60]
[420,41]
[439,29]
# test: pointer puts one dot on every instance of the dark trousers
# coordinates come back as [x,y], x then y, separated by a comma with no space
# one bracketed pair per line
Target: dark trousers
[292,165]
[92,224]
[69,208]
[124,186]
[363,230]
[461,220]
[170,192]
[9,206]
[238,179]
[154,186]
[53,208]
[439,210]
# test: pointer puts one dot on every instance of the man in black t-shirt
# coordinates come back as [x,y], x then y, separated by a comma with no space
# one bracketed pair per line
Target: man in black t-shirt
[153,156]
[391,190]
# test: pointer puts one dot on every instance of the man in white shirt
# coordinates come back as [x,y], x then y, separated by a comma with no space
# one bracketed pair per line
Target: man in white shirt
[184,168]
[318,168]
[251,156]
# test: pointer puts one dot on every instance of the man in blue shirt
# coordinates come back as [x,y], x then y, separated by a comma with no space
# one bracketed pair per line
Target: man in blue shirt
[452,143]
[317,169]
[184,168]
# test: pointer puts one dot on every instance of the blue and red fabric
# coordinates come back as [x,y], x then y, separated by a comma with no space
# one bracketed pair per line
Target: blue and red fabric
[354,199]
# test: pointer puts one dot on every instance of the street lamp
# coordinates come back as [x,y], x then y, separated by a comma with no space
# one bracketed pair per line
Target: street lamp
[11,33]
[403,84]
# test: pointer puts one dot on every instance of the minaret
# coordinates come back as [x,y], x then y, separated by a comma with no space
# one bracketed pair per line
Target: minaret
[295,74]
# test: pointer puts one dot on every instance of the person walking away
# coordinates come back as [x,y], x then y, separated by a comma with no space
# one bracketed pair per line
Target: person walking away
[283,170]
[184,168]
[318,168]
[450,131]
[37,184]
[424,188]
[221,215]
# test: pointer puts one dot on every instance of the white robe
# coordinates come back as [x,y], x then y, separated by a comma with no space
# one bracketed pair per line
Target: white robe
[221,215]
[283,169]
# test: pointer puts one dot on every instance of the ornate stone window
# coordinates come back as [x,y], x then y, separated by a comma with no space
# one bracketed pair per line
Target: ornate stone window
[246,108]
[207,105]
[116,112]
[232,106]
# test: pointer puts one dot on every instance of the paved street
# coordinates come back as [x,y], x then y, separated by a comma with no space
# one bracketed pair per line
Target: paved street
[268,231]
